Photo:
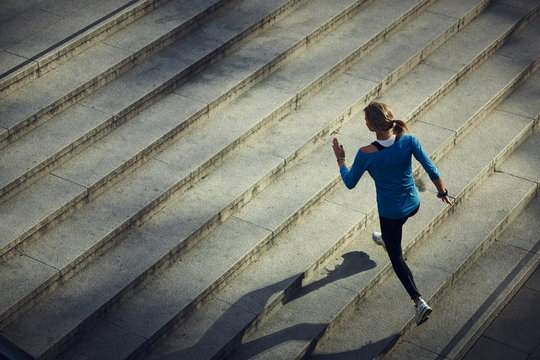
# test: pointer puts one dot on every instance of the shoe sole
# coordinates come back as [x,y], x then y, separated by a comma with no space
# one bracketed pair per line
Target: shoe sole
[381,245]
[424,316]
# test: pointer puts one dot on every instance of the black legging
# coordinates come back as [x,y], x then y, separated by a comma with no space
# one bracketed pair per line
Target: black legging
[391,230]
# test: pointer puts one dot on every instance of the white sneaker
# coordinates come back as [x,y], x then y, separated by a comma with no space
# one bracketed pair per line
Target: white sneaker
[422,312]
[377,239]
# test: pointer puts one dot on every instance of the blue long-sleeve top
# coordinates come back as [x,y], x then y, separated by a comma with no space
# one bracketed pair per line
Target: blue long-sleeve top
[397,195]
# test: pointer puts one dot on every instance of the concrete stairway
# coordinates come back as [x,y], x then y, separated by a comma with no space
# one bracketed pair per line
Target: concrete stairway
[179,198]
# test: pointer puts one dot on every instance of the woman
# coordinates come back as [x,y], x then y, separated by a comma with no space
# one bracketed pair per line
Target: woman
[388,161]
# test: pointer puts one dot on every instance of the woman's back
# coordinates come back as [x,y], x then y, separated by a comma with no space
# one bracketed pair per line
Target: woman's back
[391,170]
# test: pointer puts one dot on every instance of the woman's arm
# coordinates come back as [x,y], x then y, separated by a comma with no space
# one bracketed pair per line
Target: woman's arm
[431,169]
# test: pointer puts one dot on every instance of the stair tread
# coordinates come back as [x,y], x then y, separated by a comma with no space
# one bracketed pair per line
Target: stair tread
[296,205]
[200,216]
[177,153]
[97,164]
[423,256]
[110,99]
[33,27]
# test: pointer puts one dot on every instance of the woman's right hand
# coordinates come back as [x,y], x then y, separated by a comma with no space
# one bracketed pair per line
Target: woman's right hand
[338,149]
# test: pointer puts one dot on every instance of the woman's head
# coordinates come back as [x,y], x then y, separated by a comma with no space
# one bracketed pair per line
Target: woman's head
[380,117]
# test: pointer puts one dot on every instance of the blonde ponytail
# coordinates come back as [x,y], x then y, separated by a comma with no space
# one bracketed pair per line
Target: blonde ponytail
[399,128]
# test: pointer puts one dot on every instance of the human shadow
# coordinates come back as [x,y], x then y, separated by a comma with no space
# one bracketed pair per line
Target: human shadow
[353,263]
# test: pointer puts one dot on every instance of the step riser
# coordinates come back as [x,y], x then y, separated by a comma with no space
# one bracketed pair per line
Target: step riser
[48,61]
[315,140]
[131,164]
[253,326]
[191,241]
[477,118]
[219,220]
[424,53]
[108,241]
[478,61]
[31,235]
[117,120]
[422,237]
[475,183]
[490,168]
[486,172]
[182,248]
[387,271]
[342,66]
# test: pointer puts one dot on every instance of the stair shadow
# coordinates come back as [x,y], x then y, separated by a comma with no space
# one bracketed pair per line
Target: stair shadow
[224,325]
[368,351]
[353,263]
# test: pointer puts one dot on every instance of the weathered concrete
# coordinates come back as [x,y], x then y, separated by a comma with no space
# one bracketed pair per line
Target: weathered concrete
[198,176]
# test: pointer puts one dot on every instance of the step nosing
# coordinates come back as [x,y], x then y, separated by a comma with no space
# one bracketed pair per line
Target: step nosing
[488,167]
[75,36]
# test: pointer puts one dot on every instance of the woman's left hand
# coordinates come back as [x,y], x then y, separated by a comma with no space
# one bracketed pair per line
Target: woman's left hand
[338,149]
[447,200]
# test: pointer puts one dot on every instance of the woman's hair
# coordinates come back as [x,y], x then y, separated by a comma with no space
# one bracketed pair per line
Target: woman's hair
[381,117]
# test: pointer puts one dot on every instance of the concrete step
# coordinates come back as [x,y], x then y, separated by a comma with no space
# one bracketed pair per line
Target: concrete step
[91,210]
[479,226]
[477,295]
[205,341]
[43,97]
[99,172]
[196,197]
[139,139]
[115,103]
[59,262]
[293,319]
[69,195]
[37,36]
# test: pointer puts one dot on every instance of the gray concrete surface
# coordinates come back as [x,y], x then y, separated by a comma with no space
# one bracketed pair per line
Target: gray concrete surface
[228,229]
[515,332]
[30,27]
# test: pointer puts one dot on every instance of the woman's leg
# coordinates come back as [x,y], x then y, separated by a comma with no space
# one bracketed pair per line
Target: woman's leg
[391,230]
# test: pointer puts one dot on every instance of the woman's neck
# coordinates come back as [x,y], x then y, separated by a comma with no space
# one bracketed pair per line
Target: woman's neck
[384,135]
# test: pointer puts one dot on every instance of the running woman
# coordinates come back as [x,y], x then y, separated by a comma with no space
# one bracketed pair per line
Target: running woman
[388,161]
